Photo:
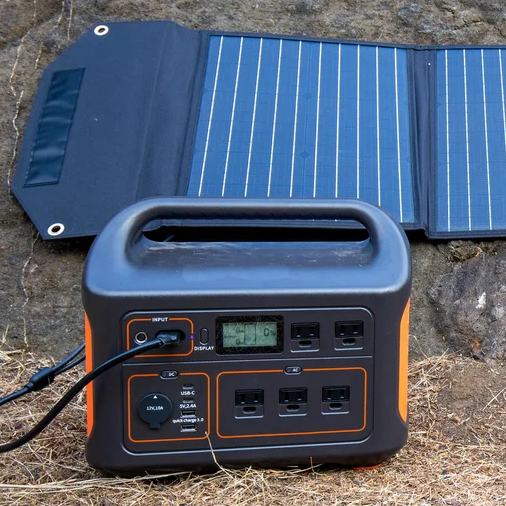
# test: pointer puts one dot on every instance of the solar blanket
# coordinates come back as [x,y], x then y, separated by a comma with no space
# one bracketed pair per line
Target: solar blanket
[144,109]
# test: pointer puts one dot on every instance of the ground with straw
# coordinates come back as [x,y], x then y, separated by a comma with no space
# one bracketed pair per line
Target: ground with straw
[457,448]
[456,453]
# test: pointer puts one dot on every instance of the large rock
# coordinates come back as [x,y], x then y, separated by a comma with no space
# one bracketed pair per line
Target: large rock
[471,299]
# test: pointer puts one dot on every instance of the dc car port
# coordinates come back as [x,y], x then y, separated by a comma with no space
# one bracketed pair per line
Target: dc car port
[154,409]
[188,427]
[140,338]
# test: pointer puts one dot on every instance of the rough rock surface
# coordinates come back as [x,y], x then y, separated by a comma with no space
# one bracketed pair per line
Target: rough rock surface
[40,282]
[471,299]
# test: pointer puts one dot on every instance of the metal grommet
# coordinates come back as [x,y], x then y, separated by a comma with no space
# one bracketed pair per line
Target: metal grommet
[101,30]
[56,229]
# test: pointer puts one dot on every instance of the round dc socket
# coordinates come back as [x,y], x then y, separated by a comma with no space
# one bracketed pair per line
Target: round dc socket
[140,337]
[154,409]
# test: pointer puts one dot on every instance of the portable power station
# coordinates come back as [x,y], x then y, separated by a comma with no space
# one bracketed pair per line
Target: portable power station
[280,353]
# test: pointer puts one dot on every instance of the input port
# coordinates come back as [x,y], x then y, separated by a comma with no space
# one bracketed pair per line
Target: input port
[140,337]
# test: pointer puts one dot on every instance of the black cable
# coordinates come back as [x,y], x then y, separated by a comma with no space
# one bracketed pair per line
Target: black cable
[70,365]
[45,376]
[15,395]
[165,339]
[68,359]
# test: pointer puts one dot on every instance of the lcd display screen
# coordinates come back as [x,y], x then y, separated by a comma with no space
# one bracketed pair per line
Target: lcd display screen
[246,334]
[250,334]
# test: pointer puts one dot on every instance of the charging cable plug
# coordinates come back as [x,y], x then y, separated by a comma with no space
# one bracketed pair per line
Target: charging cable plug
[169,338]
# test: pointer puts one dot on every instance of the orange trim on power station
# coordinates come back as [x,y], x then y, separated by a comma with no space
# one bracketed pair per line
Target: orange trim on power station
[367,468]
[403,363]
[161,354]
[129,422]
[290,433]
[88,347]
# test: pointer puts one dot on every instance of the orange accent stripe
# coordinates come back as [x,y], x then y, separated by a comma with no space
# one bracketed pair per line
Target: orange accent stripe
[161,354]
[367,468]
[129,422]
[290,433]
[89,367]
[403,363]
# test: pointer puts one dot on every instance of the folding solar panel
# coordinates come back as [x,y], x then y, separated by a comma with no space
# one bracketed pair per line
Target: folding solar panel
[471,141]
[142,109]
[287,118]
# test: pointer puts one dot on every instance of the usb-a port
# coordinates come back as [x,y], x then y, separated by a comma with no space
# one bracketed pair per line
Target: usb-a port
[188,427]
[188,412]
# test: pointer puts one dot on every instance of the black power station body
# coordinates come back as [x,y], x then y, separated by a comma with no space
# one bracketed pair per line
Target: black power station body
[283,352]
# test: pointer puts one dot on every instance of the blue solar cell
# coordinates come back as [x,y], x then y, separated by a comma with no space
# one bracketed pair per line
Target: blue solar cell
[496,115]
[471,140]
[287,118]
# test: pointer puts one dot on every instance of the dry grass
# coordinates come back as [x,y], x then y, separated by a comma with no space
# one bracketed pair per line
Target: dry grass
[455,455]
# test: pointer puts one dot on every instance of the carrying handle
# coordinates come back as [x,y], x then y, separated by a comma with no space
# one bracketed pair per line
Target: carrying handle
[125,229]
